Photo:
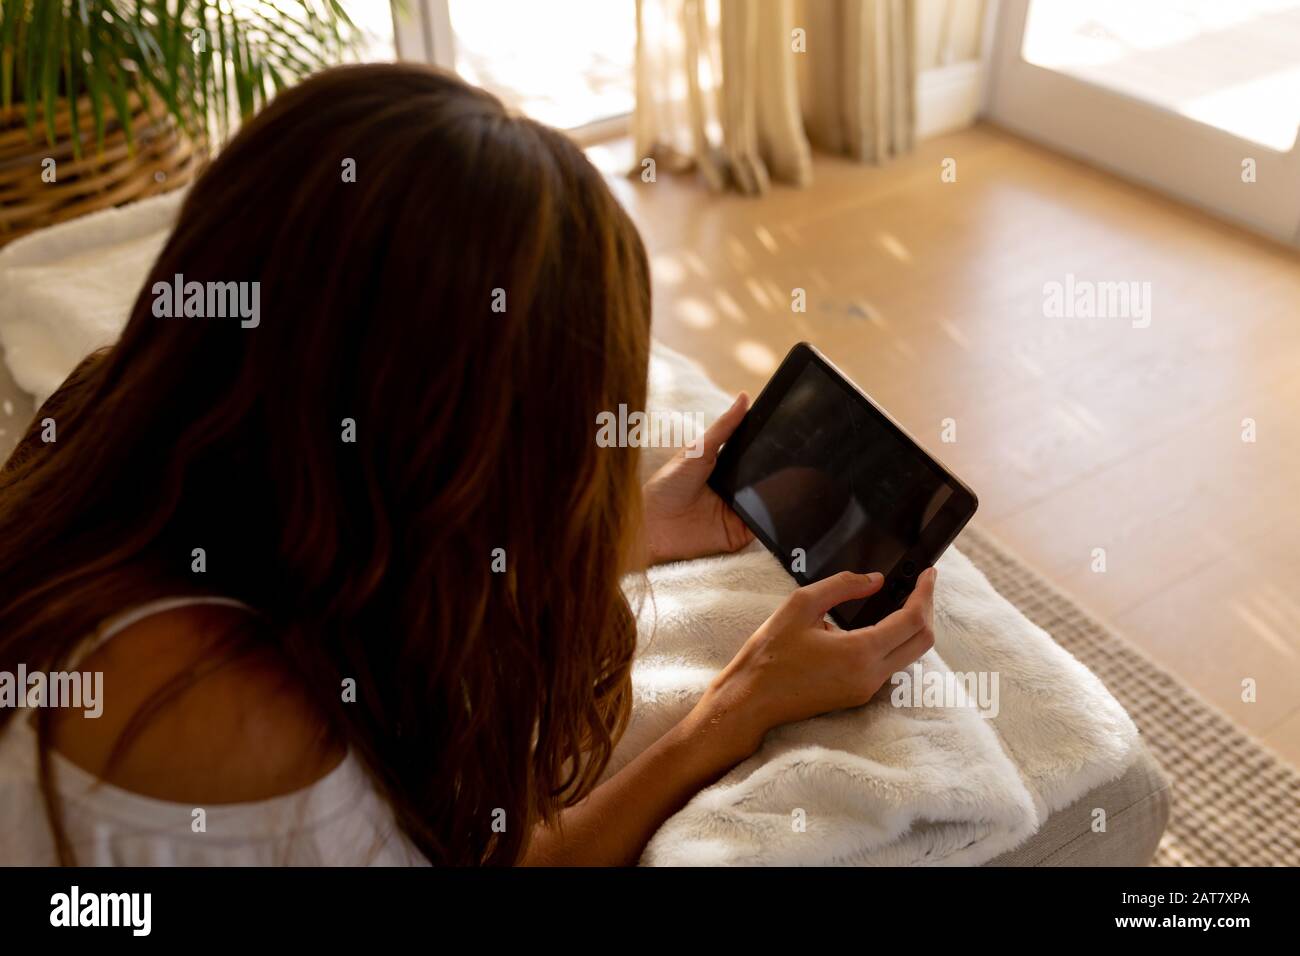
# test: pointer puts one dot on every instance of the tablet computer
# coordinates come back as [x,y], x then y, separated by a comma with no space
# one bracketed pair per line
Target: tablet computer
[829,483]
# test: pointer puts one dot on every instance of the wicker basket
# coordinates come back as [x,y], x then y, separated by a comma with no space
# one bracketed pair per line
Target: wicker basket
[164,159]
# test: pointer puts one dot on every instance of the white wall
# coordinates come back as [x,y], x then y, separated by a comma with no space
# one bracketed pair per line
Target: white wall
[948,59]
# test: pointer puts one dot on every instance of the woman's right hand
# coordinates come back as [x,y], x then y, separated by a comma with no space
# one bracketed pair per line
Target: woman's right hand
[797,665]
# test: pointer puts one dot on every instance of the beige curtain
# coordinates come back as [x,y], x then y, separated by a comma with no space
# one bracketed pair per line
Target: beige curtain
[731,87]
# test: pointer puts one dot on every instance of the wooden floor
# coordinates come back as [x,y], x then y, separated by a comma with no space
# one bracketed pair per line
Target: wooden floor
[1077,434]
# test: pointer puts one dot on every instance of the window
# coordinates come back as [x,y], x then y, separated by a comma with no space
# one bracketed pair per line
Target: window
[1198,98]
[1234,66]
[566,64]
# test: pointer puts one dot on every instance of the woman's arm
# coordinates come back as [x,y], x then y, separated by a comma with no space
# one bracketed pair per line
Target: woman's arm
[795,666]
[613,825]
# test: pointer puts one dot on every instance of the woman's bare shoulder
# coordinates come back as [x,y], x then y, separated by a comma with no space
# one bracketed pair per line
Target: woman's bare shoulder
[209,727]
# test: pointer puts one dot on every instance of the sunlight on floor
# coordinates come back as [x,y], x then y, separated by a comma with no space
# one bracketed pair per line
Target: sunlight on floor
[756,357]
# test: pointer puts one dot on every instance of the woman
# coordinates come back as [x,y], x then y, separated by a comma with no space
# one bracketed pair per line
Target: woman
[351,571]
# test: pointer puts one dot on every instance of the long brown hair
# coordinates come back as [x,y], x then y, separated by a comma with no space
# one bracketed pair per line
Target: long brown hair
[470,303]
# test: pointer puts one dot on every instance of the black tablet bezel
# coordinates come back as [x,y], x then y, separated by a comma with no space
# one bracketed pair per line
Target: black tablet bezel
[935,537]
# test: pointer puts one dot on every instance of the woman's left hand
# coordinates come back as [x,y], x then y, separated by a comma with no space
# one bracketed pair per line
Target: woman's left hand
[684,517]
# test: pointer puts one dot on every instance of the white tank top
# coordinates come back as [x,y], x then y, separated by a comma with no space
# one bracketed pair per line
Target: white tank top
[340,820]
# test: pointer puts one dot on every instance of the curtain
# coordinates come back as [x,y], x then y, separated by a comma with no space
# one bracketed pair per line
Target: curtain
[742,90]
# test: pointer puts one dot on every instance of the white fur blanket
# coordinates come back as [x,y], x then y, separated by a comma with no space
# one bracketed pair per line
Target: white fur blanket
[882,784]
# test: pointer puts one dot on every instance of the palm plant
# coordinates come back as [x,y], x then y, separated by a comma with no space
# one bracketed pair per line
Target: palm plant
[203,62]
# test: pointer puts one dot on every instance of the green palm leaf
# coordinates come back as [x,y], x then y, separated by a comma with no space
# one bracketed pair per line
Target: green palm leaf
[205,62]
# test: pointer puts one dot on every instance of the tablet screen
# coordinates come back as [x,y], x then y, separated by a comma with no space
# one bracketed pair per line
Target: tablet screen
[828,474]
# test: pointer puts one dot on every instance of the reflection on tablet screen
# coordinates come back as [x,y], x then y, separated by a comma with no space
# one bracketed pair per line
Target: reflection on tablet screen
[827,476]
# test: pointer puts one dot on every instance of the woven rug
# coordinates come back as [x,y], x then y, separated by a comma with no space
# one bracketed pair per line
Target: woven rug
[1234,802]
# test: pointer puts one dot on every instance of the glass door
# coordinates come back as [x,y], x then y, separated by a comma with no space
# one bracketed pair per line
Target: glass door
[1197,98]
